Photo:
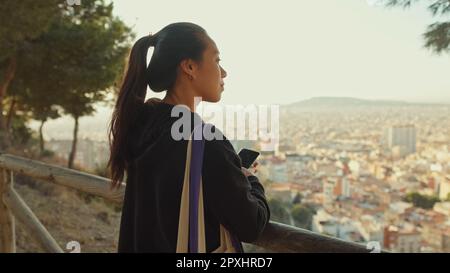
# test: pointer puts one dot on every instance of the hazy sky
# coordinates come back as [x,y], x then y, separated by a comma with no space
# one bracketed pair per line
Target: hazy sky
[289,50]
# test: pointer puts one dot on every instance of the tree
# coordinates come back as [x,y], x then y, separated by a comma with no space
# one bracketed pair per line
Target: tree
[20,21]
[95,44]
[73,65]
[32,95]
[302,216]
[421,201]
[279,211]
[297,199]
[437,35]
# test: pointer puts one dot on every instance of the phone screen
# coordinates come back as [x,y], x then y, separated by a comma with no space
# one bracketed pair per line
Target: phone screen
[248,157]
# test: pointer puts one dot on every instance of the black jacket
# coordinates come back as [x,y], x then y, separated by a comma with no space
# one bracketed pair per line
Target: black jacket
[150,211]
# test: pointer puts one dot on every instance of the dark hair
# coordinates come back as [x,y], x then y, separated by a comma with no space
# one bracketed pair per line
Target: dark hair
[173,43]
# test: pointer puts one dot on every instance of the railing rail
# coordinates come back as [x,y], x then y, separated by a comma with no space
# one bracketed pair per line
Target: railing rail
[276,237]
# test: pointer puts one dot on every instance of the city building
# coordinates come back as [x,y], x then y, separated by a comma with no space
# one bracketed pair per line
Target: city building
[401,140]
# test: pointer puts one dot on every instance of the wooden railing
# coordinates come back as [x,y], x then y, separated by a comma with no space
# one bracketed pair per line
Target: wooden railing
[276,237]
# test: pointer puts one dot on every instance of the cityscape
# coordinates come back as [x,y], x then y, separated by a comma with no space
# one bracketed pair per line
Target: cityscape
[356,165]
[368,170]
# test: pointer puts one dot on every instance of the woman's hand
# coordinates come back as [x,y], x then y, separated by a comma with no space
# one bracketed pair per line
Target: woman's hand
[251,171]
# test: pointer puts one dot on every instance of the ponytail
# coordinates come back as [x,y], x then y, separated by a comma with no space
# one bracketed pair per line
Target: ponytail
[173,43]
[129,103]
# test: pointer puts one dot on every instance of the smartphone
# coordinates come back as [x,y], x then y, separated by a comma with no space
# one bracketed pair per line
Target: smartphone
[248,157]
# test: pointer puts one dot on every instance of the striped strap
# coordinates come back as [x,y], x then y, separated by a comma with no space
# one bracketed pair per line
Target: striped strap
[198,144]
[192,204]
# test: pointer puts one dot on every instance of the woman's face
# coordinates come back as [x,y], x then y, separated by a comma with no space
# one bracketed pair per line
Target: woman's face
[209,77]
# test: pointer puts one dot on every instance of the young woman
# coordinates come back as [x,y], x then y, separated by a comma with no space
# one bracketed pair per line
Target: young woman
[185,64]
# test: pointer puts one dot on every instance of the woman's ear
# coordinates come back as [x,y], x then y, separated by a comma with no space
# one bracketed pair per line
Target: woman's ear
[189,67]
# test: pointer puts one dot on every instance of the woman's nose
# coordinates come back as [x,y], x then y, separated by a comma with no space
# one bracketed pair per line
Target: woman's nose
[224,73]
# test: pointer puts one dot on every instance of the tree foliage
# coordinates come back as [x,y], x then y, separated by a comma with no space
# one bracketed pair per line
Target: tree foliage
[420,200]
[437,35]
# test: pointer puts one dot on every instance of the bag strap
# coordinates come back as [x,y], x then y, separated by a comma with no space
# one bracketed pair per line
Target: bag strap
[198,145]
[183,220]
[191,228]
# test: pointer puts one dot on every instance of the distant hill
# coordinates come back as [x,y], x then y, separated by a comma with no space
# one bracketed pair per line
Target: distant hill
[349,102]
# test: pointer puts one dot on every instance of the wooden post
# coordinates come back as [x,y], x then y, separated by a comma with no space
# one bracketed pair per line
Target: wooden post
[7,225]
[30,222]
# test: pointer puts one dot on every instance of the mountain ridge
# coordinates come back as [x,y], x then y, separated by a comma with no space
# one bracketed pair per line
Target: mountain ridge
[352,101]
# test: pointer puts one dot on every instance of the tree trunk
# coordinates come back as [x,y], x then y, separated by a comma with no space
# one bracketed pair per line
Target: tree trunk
[41,137]
[74,144]
[8,121]
[10,115]
[9,76]
[7,220]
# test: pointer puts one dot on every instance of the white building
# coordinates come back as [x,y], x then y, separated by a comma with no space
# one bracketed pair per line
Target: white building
[371,228]
[442,207]
[405,238]
[444,189]
[343,228]
[401,139]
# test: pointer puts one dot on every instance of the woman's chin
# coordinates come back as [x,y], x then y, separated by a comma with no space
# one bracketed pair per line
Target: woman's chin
[212,99]
[217,99]
[218,96]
